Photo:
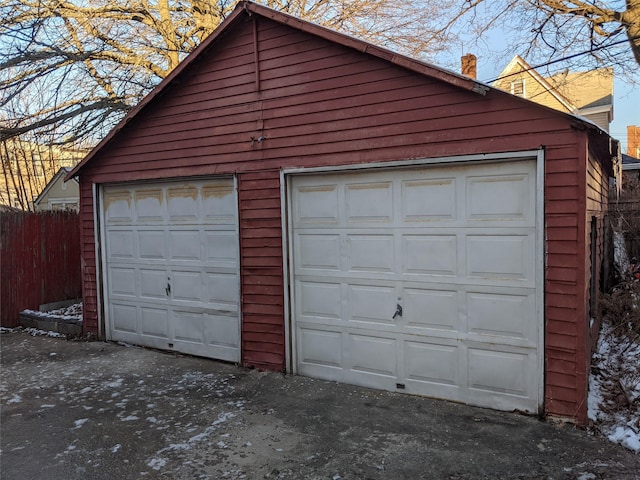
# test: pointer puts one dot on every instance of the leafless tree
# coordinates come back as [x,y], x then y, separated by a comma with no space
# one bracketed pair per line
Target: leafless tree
[72,68]
[580,33]
[27,164]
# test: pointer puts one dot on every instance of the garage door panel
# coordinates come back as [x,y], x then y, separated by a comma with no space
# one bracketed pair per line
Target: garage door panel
[186,285]
[372,355]
[221,247]
[189,326]
[320,347]
[118,207]
[153,284]
[122,281]
[454,247]
[185,245]
[218,203]
[500,197]
[182,203]
[151,244]
[121,243]
[124,317]
[149,205]
[174,278]
[429,200]
[501,314]
[318,252]
[369,202]
[372,304]
[433,309]
[317,204]
[430,254]
[433,363]
[221,330]
[154,322]
[319,301]
[371,253]
[500,257]
[500,372]
[222,288]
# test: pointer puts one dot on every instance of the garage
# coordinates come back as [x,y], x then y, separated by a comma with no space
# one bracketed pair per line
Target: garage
[294,199]
[171,263]
[421,280]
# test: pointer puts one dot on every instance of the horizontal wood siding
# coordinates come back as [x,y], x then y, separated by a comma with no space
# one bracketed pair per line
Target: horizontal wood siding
[321,104]
[598,207]
[88,260]
[261,271]
[564,283]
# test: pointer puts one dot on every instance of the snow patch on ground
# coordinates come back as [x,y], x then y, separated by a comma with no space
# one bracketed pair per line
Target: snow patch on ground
[614,388]
[15,399]
[78,423]
[36,332]
[157,463]
[70,313]
[222,418]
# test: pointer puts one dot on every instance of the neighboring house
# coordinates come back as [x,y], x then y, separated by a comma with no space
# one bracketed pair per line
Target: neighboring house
[588,94]
[58,194]
[295,199]
[28,167]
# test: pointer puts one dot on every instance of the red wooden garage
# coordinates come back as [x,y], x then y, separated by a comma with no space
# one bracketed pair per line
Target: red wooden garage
[292,198]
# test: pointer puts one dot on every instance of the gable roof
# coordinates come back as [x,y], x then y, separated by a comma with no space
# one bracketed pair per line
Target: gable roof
[574,90]
[518,65]
[246,9]
[590,89]
[64,171]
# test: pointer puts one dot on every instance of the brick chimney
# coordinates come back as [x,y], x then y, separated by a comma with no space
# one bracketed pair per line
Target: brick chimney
[469,62]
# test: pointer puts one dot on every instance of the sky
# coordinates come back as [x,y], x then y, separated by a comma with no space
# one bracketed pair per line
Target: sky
[626,98]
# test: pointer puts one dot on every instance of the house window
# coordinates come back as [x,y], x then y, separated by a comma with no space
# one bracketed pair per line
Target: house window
[638,152]
[518,88]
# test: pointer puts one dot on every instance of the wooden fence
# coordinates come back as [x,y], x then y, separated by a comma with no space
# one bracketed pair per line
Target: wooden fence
[39,261]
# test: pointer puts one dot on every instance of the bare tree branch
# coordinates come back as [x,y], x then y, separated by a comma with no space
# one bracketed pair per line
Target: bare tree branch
[83,63]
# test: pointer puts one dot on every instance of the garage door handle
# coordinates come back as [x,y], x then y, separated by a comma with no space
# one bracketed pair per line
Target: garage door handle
[398,311]
[168,289]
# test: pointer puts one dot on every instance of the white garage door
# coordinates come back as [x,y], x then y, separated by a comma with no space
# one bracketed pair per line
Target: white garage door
[172,269]
[420,280]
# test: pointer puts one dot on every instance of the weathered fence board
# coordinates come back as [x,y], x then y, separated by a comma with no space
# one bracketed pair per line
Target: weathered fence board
[39,261]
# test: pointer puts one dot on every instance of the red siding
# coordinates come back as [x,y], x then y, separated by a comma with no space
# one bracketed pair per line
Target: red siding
[88,246]
[263,336]
[322,104]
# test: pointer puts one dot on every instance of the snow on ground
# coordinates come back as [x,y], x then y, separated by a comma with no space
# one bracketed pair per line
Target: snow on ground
[72,312]
[33,332]
[614,388]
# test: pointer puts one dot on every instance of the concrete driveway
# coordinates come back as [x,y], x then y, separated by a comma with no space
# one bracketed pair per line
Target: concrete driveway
[96,410]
